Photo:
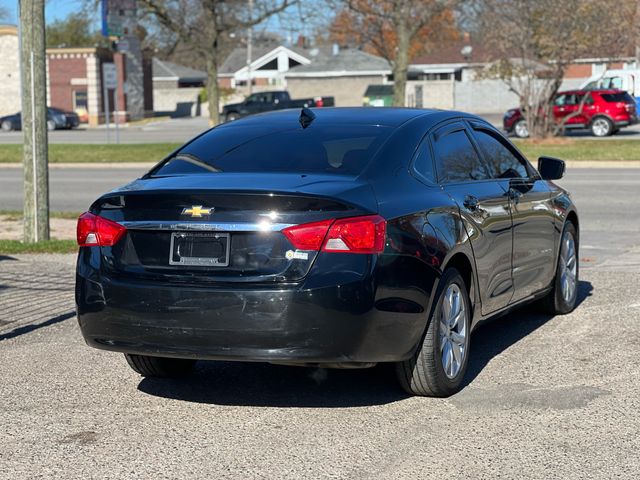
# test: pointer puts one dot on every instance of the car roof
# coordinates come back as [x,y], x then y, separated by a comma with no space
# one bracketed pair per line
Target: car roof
[592,90]
[386,116]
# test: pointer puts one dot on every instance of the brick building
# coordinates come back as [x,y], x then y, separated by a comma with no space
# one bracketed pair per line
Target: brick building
[75,83]
[74,80]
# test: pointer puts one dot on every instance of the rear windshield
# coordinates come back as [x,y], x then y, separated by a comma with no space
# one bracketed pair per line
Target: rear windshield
[617,97]
[336,149]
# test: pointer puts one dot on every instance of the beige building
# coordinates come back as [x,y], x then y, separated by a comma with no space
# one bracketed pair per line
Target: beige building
[9,70]
[342,73]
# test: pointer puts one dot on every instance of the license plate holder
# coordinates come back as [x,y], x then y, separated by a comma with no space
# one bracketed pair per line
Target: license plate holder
[199,249]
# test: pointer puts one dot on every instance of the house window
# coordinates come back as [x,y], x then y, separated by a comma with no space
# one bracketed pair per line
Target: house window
[437,76]
[80,99]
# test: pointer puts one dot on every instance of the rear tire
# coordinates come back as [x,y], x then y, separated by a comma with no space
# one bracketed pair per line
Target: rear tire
[601,127]
[439,365]
[231,117]
[51,125]
[564,293]
[7,126]
[159,366]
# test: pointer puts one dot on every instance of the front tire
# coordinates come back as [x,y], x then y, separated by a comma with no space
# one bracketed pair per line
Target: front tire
[51,125]
[520,129]
[6,126]
[232,117]
[564,293]
[601,127]
[159,366]
[439,365]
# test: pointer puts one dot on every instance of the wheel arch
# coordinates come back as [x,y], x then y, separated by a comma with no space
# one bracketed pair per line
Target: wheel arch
[465,265]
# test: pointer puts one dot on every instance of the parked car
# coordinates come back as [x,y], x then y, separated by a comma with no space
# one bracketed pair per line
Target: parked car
[56,119]
[378,96]
[336,238]
[266,101]
[603,112]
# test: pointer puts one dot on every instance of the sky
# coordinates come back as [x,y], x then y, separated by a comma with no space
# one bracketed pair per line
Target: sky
[54,9]
[59,9]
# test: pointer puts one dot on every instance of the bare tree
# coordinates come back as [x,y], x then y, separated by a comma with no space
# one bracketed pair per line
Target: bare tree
[205,26]
[534,44]
[392,26]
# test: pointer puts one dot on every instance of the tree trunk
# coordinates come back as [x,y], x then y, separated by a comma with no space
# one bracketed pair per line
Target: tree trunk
[213,92]
[400,67]
[34,121]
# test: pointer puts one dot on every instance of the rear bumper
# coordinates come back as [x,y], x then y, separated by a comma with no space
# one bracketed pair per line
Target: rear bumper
[296,324]
[632,120]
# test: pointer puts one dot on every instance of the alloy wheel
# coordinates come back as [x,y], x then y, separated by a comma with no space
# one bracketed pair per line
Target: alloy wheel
[568,268]
[522,131]
[453,331]
[600,127]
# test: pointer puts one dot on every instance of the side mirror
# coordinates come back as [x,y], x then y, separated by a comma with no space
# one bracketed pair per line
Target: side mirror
[551,168]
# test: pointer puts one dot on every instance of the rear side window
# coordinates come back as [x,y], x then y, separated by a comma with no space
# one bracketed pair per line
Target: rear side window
[423,163]
[457,160]
[502,163]
[617,97]
[334,149]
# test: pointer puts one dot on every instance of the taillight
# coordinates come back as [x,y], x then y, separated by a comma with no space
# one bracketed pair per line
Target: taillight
[346,235]
[319,102]
[308,236]
[96,231]
[356,235]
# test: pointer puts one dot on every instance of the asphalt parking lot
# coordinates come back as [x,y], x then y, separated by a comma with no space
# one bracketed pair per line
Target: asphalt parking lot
[546,397]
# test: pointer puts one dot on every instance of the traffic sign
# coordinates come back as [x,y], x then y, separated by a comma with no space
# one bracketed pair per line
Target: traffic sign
[109,76]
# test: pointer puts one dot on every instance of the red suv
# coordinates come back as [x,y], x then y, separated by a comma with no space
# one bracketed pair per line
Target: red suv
[604,112]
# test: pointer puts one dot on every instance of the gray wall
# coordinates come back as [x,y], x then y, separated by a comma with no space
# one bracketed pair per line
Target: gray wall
[177,102]
[347,91]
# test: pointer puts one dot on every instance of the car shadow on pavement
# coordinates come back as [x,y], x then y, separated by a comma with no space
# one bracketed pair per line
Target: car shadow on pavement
[265,385]
[494,337]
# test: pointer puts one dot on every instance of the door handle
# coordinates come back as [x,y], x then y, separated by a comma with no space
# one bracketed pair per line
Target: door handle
[470,202]
[514,194]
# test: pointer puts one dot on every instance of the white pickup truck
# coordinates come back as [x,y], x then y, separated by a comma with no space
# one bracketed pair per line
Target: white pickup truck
[627,79]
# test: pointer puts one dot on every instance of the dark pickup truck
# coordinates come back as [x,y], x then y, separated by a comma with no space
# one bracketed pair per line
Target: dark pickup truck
[267,101]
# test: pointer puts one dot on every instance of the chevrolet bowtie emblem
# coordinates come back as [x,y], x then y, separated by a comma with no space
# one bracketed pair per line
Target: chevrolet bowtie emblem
[197,211]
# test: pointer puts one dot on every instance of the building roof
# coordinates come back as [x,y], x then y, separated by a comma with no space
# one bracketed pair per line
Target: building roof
[8,29]
[163,70]
[451,54]
[343,62]
[237,59]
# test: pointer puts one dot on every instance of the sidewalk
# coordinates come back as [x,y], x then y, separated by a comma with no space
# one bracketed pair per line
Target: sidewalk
[35,290]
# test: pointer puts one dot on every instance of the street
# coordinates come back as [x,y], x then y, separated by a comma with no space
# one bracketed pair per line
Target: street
[546,397]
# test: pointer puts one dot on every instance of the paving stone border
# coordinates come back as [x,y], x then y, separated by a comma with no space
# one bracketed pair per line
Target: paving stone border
[35,289]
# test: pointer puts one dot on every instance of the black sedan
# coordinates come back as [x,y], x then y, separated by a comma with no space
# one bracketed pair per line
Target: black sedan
[333,237]
[56,119]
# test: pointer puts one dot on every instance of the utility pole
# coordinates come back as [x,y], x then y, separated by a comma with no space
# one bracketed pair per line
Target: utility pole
[249,48]
[34,120]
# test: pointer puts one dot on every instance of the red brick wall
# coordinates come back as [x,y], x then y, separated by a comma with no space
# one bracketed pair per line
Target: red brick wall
[224,82]
[61,71]
[578,70]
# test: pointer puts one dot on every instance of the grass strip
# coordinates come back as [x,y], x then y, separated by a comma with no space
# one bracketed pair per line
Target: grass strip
[10,247]
[587,149]
[15,215]
[95,153]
